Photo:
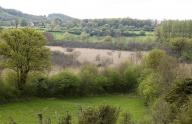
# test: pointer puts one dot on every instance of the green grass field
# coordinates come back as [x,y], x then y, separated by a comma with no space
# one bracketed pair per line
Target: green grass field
[148,38]
[26,112]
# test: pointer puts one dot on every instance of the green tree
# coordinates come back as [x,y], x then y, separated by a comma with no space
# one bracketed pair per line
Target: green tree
[23,23]
[153,59]
[24,51]
[84,36]
[182,46]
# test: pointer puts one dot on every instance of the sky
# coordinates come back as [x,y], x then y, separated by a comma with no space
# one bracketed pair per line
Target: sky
[83,9]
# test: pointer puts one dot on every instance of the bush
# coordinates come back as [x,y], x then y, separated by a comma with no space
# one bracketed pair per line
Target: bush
[127,119]
[130,74]
[88,116]
[67,119]
[38,85]
[153,59]
[88,74]
[149,88]
[114,81]
[8,90]
[163,112]
[104,114]
[65,83]
[179,94]
[185,116]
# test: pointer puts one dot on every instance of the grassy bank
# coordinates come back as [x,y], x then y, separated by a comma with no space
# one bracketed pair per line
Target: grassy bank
[26,112]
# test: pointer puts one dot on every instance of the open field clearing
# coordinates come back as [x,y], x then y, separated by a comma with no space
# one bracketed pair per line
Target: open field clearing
[114,57]
[26,112]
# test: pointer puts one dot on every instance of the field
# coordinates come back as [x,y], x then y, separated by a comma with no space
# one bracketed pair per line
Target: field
[26,112]
[148,38]
[89,55]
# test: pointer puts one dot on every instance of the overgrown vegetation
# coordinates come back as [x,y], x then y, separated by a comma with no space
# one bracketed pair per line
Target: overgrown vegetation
[160,78]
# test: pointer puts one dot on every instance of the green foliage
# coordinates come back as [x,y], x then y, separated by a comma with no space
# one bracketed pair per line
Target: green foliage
[178,35]
[23,23]
[24,51]
[113,80]
[56,108]
[149,88]
[153,59]
[174,28]
[107,39]
[163,112]
[8,92]
[67,119]
[37,85]
[104,114]
[179,94]
[68,36]
[65,84]
[127,119]
[174,107]
[182,48]
[130,75]
[158,76]
[89,115]
[185,116]
[84,36]
[88,74]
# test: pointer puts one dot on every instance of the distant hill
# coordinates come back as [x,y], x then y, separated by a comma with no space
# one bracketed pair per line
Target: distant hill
[8,16]
[63,17]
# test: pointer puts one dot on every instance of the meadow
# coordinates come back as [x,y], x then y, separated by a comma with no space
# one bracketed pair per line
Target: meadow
[149,37]
[26,112]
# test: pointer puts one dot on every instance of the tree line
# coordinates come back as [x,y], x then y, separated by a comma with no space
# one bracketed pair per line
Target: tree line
[177,35]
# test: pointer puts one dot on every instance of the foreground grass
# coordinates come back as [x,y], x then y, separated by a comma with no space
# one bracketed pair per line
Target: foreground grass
[26,112]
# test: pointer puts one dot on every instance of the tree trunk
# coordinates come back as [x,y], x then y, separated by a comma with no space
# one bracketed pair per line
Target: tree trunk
[22,77]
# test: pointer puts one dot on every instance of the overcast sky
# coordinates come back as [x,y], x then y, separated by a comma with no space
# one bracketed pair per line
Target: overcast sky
[141,9]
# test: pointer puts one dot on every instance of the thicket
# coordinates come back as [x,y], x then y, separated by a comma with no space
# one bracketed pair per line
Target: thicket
[178,36]
[165,90]
[90,80]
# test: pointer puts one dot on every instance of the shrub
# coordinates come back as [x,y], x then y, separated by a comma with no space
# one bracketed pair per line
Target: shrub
[8,90]
[88,74]
[88,116]
[129,74]
[107,39]
[126,119]
[67,119]
[108,114]
[114,81]
[153,59]
[100,82]
[163,112]
[104,114]
[179,95]
[149,88]
[185,115]
[38,85]
[182,47]
[65,83]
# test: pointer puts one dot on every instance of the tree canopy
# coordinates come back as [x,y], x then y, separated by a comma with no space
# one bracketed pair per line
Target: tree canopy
[24,51]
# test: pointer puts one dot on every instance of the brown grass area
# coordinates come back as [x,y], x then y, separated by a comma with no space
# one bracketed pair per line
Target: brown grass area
[113,57]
